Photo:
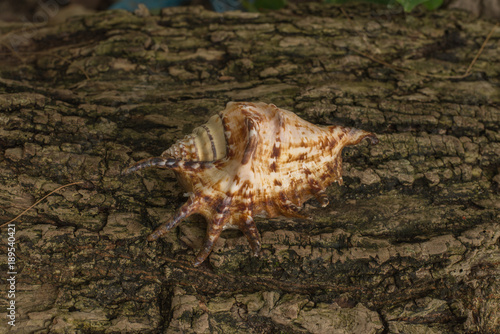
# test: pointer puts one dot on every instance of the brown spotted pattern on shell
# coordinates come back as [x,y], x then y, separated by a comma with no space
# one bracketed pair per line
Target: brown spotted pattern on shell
[252,159]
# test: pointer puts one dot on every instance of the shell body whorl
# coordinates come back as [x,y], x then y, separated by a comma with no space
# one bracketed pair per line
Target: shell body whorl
[253,159]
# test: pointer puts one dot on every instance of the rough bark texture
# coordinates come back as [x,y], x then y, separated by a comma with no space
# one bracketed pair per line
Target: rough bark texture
[409,244]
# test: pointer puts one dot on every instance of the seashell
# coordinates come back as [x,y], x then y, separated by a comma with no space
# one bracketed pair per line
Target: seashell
[252,159]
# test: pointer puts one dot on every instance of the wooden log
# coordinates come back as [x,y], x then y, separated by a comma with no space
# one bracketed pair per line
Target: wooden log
[409,243]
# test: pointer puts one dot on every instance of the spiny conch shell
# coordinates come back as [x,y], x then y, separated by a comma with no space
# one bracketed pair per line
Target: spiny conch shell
[252,159]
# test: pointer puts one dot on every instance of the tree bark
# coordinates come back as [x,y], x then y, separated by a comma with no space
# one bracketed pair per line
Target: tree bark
[409,244]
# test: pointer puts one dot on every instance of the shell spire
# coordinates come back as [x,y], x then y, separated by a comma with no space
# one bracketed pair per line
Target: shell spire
[206,143]
[252,159]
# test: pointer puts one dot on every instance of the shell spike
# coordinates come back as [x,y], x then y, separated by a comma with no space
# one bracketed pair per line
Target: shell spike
[355,136]
[288,208]
[169,163]
[249,229]
[214,229]
[189,208]
[322,198]
[213,233]
[145,163]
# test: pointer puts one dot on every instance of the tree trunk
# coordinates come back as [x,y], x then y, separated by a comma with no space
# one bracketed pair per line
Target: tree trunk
[409,243]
